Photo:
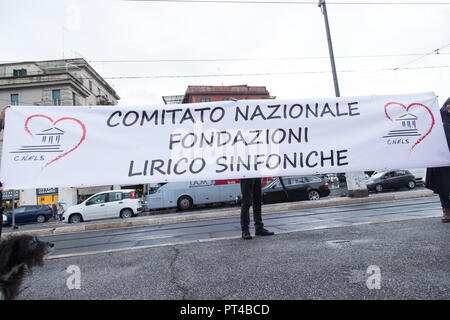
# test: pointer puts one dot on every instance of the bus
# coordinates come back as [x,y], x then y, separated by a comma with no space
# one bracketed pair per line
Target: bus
[187,194]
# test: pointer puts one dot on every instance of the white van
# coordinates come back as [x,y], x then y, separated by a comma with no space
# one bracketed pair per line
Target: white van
[187,194]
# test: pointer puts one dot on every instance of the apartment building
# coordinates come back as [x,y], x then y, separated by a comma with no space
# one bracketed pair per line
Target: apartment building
[195,94]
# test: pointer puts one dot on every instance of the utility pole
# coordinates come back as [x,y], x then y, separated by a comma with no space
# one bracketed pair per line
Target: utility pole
[356,182]
[323,6]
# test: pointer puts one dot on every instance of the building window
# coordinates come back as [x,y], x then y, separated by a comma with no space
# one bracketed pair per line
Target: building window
[74,100]
[56,95]
[14,99]
[19,72]
[205,99]
[90,85]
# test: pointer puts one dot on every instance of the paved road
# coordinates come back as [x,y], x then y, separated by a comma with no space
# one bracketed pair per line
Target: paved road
[135,237]
[412,258]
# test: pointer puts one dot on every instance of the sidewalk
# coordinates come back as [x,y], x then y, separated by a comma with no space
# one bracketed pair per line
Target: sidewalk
[56,227]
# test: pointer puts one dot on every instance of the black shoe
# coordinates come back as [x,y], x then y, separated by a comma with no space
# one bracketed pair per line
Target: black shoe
[246,235]
[264,232]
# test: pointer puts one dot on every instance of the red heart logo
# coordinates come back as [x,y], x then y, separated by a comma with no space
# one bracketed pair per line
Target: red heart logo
[83,127]
[407,110]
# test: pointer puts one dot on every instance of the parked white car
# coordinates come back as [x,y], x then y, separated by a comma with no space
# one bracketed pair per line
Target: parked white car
[419,173]
[109,204]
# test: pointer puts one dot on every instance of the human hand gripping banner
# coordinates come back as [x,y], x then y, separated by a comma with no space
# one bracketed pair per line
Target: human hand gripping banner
[75,146]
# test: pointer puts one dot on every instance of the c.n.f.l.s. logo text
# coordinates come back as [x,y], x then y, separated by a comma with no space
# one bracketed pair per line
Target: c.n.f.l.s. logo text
[47,140]
[410,124]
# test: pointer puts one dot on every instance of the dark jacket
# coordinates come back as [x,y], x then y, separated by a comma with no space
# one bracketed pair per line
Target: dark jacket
[438,179]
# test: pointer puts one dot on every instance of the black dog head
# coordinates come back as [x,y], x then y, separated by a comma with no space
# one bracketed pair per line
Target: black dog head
[29,250]
[19,254]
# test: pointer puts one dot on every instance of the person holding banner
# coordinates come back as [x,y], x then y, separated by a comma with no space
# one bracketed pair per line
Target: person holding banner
[438,179]
[1,209]
[2,118]
[2,125]
[251,196]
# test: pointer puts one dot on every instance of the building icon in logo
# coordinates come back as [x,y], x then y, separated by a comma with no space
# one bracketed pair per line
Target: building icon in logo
[50,136]
[50,142]
[406,126]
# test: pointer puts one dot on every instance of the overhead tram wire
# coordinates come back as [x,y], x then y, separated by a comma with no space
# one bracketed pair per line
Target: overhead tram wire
[435,51]
[263,73]
[294,2]
[266,74]
[255,59]
[174,76]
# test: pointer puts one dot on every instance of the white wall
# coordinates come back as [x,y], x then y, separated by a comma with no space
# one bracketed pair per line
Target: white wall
[8,70]
[27,197]
[27,96]
[68,195]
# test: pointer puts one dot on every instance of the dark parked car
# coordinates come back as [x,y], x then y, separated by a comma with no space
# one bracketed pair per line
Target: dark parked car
[395,179]
[297,187]
[29,213]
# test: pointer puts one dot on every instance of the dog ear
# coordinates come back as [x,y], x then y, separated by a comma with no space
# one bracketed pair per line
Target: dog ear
[32,243]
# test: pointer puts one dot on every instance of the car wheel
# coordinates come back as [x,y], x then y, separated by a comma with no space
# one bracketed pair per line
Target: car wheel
[411,184]
[185,203]
[378,188]
[75,218]
[313,195]
[126,213]
[40,218]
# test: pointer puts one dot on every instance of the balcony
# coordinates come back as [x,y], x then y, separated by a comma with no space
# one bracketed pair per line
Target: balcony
[104,101]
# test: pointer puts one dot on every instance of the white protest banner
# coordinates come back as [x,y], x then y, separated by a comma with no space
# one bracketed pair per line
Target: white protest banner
[78,146]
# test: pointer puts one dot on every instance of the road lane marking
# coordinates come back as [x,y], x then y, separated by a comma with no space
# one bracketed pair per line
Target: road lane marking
[69,255]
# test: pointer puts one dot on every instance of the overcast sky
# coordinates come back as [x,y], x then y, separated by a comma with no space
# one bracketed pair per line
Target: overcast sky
[280,46]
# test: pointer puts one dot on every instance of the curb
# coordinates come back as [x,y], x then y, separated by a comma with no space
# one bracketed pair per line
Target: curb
[220,213]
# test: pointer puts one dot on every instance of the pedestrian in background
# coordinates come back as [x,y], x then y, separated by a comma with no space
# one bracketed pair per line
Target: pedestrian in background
[60,210]
[54,211]
[251,196]
[438,179]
